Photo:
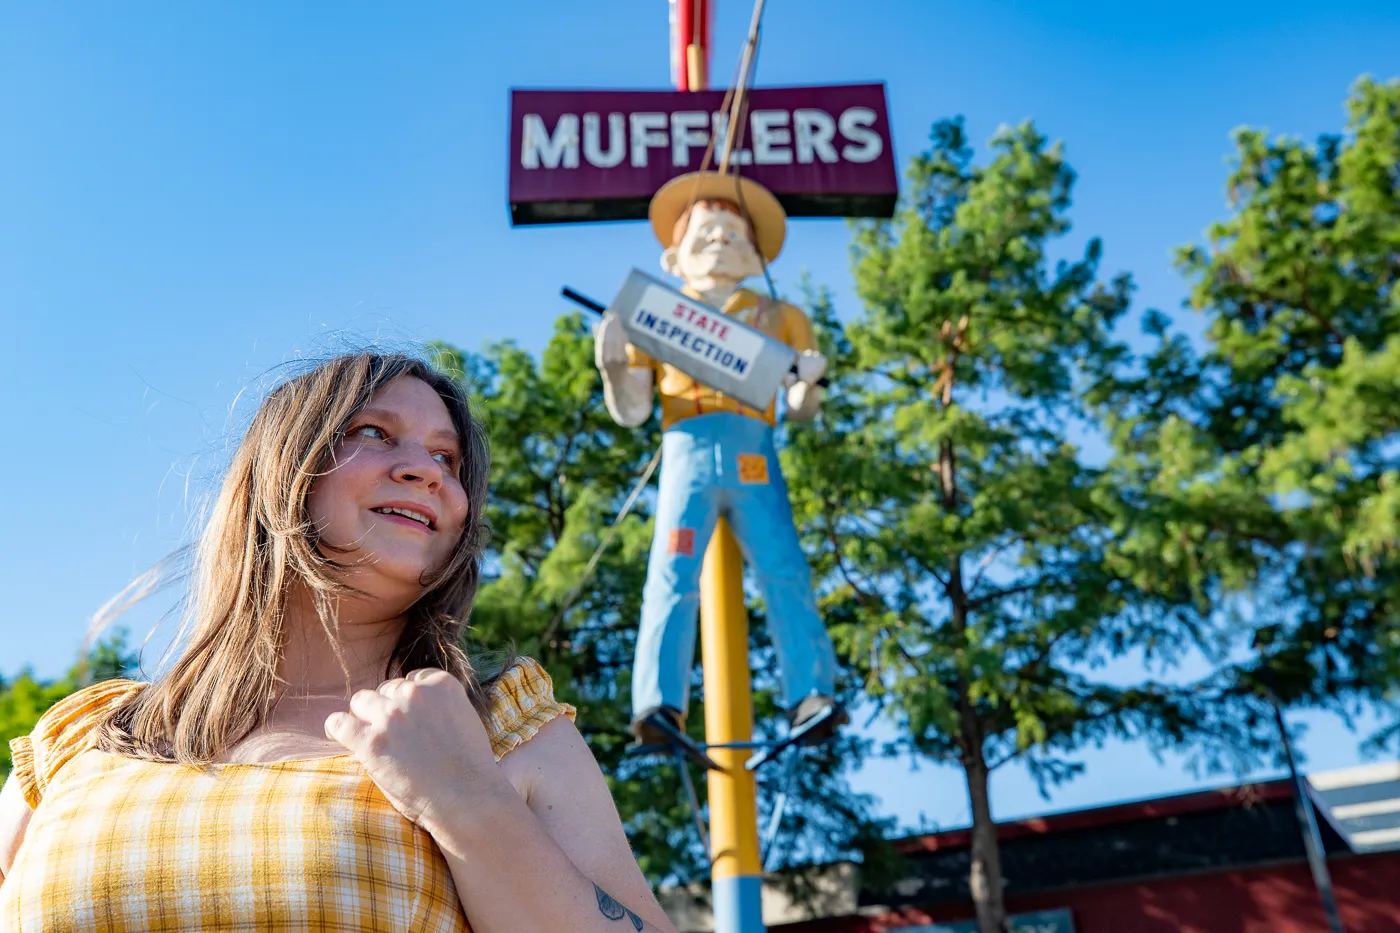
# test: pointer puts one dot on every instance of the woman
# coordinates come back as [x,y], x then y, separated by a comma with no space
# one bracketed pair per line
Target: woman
[321,756]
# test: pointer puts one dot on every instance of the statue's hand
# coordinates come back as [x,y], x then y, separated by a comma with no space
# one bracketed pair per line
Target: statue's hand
[610,344]
[811,366]
[803,400]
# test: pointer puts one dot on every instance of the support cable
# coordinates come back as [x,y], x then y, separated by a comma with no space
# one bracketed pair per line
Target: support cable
[602,546]
[735,105]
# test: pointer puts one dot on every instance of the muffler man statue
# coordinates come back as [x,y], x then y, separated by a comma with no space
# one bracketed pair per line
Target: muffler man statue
[718,458]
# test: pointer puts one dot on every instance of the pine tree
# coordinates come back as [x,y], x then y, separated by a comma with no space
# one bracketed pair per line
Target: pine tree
[979,558]
[1293,409]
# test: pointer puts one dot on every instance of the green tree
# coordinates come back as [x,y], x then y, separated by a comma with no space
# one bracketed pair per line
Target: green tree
[562,471]
[1291,409]
[24,699]
[977,562]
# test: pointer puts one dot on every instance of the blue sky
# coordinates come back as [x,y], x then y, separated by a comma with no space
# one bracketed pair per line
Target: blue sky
[191,194]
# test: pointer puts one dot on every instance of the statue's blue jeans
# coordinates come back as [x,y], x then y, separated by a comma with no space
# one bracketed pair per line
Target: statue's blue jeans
[725,464]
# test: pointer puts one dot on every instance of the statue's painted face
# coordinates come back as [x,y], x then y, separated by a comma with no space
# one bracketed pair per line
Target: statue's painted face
[716,245]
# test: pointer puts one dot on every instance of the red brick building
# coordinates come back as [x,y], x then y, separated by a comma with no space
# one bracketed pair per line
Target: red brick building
[1222,861]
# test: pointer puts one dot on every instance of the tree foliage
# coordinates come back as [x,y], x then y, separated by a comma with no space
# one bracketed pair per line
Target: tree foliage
[562,472]
[25,698]
[1290,411]
[980,559]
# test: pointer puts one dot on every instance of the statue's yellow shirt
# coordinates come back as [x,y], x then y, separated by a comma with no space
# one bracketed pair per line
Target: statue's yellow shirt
[682,397]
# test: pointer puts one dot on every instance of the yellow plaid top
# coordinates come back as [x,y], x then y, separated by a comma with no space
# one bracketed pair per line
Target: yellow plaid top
[682,397]
[117,845]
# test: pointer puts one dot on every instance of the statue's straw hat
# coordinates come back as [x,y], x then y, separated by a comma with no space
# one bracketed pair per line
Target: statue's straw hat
[767,216]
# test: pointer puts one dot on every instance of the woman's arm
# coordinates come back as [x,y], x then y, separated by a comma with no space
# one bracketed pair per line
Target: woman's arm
[555,859]
[14,819]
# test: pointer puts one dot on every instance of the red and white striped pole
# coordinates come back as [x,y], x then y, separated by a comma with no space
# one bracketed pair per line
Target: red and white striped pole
[690,44]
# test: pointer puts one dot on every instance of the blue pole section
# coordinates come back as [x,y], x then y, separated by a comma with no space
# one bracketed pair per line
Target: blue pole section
[738,904]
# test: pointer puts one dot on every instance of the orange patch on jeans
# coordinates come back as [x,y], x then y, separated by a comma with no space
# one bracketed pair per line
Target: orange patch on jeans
[682,542]
[753,468]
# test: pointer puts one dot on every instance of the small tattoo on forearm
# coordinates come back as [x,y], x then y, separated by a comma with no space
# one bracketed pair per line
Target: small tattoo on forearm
[609,907]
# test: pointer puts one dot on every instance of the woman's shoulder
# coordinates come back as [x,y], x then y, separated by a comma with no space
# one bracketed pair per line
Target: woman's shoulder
[520,701]
[63,731]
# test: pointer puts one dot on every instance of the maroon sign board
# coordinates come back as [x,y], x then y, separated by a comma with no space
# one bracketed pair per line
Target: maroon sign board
[587,156]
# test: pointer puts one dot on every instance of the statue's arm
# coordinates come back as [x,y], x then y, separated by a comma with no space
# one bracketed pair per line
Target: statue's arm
[626,388]
[804,396]
[627,392]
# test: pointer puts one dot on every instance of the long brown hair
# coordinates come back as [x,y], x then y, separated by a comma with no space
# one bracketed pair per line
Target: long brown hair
[260,541]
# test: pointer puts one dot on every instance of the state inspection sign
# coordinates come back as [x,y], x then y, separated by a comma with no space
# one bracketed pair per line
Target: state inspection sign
[587,156]
[703,342]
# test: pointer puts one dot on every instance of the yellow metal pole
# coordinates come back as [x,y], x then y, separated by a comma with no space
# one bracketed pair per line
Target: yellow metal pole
[695,66]
[736,874]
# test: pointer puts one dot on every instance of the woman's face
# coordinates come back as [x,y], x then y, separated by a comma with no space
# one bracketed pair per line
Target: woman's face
[392,497]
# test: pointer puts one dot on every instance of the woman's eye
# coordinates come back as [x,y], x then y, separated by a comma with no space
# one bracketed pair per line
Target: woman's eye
[378,432]
[446,459]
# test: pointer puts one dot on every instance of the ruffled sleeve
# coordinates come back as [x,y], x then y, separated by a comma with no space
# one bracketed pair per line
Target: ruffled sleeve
[521,702]
[61,733]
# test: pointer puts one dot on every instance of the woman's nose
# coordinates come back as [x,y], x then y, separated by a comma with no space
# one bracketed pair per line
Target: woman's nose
[417,465]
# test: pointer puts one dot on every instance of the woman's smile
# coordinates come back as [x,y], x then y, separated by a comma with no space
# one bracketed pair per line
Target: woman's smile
[420,517]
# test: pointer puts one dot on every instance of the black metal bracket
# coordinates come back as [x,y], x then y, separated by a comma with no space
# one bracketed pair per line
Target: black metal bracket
[687,750]
[769,844]
[583,300]
[680,742]
[694,801]
[774,749]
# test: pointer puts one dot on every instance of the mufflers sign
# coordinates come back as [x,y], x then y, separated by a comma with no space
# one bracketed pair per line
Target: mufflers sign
[580,156]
